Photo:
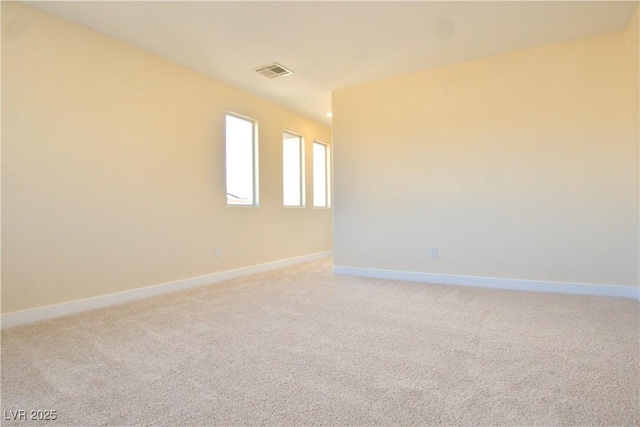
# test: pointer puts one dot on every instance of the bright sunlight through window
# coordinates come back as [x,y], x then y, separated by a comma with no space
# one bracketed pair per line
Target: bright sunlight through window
[240,161]
[320,175]
[292,171]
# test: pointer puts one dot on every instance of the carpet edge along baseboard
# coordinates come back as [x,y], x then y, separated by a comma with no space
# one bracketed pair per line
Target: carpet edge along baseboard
[78,306]
[494,282]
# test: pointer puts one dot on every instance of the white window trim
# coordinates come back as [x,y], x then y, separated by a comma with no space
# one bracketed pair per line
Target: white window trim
[302,204]
[327,168]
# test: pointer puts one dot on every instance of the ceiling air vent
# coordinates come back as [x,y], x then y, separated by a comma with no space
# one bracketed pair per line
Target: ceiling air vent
[273,70]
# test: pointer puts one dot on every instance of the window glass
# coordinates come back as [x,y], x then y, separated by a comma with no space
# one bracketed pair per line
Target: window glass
[240,161]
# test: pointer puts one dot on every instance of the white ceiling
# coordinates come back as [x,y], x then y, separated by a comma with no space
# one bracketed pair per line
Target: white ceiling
[332,45]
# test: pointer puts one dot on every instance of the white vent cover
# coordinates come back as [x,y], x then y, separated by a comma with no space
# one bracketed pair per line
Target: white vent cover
[273,70]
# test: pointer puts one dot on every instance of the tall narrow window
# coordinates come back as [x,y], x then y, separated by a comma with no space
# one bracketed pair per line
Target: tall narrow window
[292,170]
[320,175]
[241,161]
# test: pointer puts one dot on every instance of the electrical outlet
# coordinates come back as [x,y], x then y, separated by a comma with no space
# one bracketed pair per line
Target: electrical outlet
[433,252]
[218,252]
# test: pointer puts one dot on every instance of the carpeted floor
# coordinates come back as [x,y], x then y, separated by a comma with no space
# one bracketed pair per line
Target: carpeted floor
[301,346]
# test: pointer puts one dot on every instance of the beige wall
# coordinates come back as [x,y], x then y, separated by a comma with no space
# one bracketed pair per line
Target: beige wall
[113,169]
[519,166]
[633,43]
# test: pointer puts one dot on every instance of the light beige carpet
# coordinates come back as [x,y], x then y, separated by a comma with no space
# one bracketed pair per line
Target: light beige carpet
[301,346]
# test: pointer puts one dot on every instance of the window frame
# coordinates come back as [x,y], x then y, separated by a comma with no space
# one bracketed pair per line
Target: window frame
[327,172]
[254,165]
[301,161]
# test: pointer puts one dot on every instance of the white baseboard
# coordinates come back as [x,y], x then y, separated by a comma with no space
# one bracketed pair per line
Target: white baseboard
[497,283]
[52,311]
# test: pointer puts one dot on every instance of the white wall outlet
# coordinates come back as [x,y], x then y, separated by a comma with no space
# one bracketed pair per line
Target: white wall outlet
[433,252]
[218,252]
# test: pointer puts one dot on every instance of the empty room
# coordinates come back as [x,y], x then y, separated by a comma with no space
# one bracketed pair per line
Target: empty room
[320,213]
